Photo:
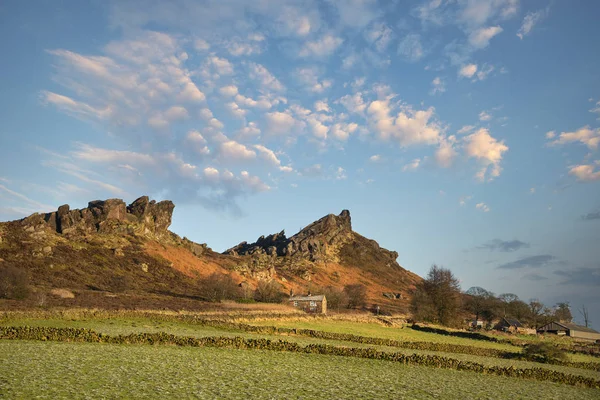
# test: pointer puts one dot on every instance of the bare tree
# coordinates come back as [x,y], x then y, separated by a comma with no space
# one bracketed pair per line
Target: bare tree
[536,308]
[437,298]
[356,295]
[586,317]
[217,287]
[336,298]
[268,291]
[562,312]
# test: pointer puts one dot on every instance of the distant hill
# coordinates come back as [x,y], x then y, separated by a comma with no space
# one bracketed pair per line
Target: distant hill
[112,247]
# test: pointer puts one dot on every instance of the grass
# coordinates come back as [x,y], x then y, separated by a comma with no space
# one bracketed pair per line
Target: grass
[127,325]
[79,370]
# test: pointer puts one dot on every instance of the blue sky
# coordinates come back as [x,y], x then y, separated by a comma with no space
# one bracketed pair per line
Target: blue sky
[457,132]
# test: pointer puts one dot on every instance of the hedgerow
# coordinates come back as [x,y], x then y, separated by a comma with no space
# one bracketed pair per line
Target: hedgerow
[89,336]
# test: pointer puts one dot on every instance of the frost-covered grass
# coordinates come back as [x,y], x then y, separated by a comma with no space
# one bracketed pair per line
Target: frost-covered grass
[51,370]
[125,326]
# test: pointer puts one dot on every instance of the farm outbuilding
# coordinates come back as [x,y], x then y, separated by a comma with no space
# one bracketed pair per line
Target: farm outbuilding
[315,304]
[509,325]
[569,329]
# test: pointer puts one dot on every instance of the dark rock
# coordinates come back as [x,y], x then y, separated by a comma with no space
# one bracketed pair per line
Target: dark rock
[107,216]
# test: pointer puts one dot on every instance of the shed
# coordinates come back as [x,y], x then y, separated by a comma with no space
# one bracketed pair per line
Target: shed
[509,325]
[316,303]
[569,329]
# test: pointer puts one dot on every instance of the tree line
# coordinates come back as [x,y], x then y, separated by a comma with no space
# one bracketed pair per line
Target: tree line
[439,299]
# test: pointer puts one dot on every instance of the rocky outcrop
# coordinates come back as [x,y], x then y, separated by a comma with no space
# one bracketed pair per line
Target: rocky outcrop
[321,241]
[143,216]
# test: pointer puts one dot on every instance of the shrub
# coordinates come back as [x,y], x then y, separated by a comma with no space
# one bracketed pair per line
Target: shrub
[268,291]
[544,352]
[336,298]
[217,287]
[356,294]
[14,283]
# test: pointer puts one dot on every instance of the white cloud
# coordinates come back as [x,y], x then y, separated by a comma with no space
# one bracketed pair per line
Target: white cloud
[586,135]
[532,190]
[234,151]
[250,130]
[312,171]
[380,36]
[437,86]
[39,207]
[596,109]
[465,129]
[484,116]
[482,207]
[585,172]
[73,107]
[201,45]
[265,77]
[408,127]
[235,110]
[270,156]
[89,153]
[412,166]
[175,113]
[531,19]
[355,13]
[353,103]
[279,123]
[445,154]
[464,199]
[375,158]
[245,47]
[478,12]
[483,72]
[342,131]
[205,114]
[468,70]
[488,151]
[411,48]
[550,134]
[325,46]
[340,174]
[229,91]
[221,65]
[480,38]
[310,77]
[197,143]
[322,106]
[215,123]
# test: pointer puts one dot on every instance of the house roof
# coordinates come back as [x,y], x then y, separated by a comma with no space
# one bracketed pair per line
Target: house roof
[513,322]
[316,297]
[575,327]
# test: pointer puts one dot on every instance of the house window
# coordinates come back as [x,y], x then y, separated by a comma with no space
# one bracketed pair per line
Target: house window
[313,303]
[295,304]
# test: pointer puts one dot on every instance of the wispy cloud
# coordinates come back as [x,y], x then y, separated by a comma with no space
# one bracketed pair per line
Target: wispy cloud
[504,245]
[538,261]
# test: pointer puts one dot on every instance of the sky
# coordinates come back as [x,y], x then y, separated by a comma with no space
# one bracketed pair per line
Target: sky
[458,132]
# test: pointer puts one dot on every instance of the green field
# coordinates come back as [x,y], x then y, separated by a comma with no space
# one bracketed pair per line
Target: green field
[34,369]
[81,370]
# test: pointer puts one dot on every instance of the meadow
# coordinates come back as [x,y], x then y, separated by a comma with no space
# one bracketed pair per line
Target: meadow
[58,369]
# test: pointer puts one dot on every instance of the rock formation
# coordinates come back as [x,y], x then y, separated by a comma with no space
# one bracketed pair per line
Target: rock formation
[143,216]
[316,242]
[330,239]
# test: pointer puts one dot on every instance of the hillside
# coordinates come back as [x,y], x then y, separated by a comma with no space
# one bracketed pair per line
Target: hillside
[118,250]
